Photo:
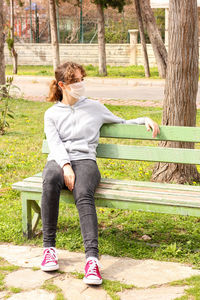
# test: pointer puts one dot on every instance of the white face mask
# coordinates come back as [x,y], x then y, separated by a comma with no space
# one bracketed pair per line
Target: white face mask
[77,89]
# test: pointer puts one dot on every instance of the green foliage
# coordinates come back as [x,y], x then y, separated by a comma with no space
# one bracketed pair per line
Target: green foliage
[10,42]
[5,111]
[117,32]
[20,2]
[119,4]
[159,14]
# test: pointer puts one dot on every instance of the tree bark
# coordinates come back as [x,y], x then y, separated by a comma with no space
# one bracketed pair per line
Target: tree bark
[101,40]
[179,108]
[13,52]
[2,40]
[158,46]
[142,38]
[54,36]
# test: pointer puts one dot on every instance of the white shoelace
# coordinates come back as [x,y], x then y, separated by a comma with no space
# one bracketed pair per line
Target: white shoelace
[92,267]
[50,255]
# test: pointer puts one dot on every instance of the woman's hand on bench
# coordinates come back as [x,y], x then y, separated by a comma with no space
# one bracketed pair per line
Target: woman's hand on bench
[150,124]
[69,176]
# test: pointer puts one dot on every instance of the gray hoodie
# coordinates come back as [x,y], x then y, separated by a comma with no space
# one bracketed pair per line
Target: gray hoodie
[73,131]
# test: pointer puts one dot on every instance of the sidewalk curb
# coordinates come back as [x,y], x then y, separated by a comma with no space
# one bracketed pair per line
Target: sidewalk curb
[97,80]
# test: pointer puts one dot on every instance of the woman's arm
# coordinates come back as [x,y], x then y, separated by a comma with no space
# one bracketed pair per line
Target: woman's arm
[56,146]
[109,117]
[58,151]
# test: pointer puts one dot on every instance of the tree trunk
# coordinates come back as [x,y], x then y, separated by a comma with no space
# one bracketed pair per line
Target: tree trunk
[101,40]
[142,38]
[179,107]
[158,46]
[54,36]
[2,40]
[13,52]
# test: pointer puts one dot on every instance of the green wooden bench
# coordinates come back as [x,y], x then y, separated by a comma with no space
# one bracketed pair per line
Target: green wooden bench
[134,195]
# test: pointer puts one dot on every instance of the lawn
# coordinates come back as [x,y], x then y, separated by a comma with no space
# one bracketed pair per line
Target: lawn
[92,71]
[172,237]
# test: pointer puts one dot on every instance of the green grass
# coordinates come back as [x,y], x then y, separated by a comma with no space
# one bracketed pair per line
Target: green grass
[114,287]
[110,286]
[173,238]
[92,71]
[6,268]
[15,290]
[193,290]
[50,287]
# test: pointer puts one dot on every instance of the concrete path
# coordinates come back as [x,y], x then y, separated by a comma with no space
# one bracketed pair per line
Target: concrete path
[148,279]
[37,87]
[117,91]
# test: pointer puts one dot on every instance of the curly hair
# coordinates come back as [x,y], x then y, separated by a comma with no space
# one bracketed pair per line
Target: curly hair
[64,73]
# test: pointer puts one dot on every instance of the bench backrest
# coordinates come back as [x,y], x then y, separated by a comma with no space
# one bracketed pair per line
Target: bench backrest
[146,153]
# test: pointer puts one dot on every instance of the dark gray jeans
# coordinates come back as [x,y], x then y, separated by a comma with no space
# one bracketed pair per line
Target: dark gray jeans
[87,178]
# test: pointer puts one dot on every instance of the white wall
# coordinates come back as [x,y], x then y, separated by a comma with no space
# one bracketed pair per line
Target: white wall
[40,54]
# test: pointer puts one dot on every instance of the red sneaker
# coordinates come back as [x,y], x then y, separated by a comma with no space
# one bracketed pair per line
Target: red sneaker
[50,260]
[92,274]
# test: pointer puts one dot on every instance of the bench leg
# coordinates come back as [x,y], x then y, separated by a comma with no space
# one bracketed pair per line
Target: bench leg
[29,224]
[26,217]
[37,215]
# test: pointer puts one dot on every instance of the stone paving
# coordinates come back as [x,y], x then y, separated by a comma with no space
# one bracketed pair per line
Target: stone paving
[148,279]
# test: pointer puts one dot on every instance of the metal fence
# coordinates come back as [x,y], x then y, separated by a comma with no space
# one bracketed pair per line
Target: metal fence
[33,26]
[70,31]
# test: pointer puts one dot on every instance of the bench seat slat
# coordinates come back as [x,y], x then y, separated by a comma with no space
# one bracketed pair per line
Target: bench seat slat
[154,190]
[149,184]
[129,183]
[162,198]
[135,186]
[151,196]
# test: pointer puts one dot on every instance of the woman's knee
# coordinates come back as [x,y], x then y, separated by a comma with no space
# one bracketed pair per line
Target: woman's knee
[84,196]
[52,173]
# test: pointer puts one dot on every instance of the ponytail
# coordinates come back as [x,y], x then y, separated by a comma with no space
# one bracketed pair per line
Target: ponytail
[55,93]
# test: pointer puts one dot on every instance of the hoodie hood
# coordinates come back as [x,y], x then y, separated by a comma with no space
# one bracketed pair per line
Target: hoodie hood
[76,104]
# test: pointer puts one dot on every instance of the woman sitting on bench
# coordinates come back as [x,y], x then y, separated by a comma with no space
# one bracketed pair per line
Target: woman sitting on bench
[72,127]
